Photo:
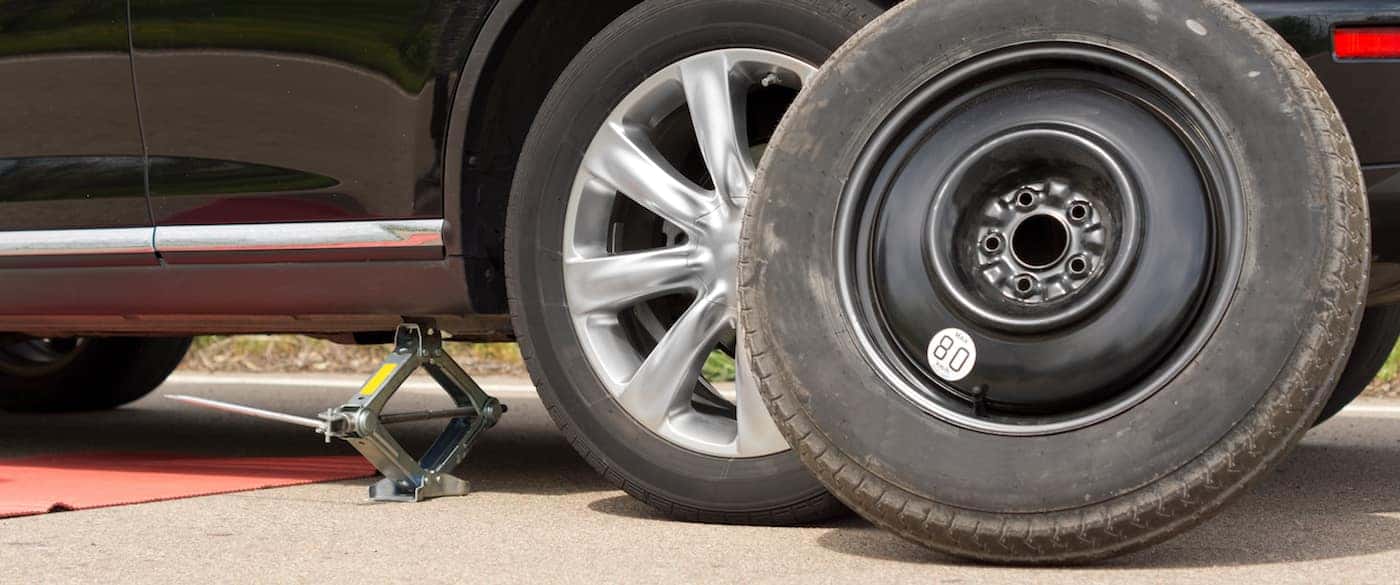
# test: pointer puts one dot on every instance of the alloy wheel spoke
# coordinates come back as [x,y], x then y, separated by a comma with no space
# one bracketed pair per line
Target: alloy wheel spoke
[716,109]
[625,159]
[613,283]
[650,360]
[666,377]
[757,433]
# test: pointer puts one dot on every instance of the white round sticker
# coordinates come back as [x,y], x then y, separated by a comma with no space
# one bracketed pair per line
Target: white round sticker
[952,355]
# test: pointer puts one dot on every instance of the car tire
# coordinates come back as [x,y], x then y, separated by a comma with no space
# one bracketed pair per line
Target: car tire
[965,383]
[84,374]
[1380,328]
[601,358]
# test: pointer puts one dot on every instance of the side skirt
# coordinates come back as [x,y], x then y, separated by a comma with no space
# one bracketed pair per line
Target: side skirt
[339,277]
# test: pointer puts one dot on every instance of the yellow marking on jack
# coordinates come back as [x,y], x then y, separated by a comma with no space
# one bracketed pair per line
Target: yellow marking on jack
[378,379]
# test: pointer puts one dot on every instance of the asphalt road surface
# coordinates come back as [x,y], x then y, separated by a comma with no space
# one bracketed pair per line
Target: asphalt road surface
[539,514]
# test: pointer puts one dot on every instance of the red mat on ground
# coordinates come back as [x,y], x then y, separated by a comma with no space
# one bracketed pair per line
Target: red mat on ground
[35,485]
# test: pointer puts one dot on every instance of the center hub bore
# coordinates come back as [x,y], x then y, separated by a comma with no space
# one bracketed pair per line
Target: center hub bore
[1040,241]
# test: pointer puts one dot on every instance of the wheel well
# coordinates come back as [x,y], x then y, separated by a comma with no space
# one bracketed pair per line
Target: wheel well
[525,60]
[539,41]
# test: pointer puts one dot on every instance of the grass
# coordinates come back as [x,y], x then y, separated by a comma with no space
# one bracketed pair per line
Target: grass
[719,367]
[296,353]
[1391,369]
[1388,379]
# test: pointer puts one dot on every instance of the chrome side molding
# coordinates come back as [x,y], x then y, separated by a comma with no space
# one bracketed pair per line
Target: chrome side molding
[301,242]
[345,241]
[77,247]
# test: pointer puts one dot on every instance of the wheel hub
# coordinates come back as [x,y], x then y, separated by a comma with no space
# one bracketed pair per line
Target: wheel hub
[1045,225]
[1040,242]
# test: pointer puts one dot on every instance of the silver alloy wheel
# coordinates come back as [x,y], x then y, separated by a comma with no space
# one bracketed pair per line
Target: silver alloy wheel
[657,385]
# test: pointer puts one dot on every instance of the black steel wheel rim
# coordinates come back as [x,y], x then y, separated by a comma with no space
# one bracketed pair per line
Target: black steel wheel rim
[1068,209]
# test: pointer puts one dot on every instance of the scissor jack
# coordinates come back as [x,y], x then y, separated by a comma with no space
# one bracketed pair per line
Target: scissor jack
[361,423]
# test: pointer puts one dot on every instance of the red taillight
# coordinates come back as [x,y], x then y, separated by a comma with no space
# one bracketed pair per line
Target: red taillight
[1366,43]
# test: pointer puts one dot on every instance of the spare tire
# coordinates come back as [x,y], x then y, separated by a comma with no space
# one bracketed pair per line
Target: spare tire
[1049,281]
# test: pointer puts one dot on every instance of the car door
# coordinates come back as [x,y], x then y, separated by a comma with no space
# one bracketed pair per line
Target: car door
[273,111]
[294,152]
[72,188]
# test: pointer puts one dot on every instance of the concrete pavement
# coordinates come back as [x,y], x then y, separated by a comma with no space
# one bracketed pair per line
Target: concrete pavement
[539,514]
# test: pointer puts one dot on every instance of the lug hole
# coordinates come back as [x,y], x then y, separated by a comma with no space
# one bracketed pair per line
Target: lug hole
[1078,267]
[1025,284]
[993,243]
[1079,212]
[1026,199]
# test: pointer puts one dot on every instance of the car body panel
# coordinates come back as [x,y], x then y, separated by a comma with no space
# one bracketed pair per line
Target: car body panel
[1359,88]
[71,154]
[298,110]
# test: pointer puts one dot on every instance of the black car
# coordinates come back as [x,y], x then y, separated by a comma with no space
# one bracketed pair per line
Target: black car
[1023,280]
